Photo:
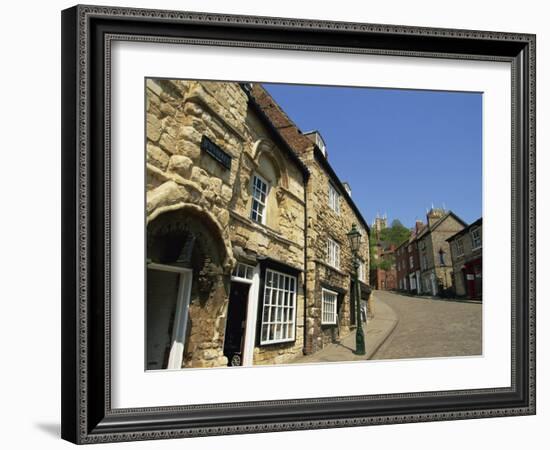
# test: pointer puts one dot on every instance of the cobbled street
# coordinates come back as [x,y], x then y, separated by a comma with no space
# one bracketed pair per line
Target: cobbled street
[431,327]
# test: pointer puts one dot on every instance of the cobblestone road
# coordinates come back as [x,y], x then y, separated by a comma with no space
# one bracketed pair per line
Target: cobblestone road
[431,328]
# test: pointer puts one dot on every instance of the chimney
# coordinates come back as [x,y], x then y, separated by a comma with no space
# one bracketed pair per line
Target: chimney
[434,215]
[347,187]
[317,139]
[418,226]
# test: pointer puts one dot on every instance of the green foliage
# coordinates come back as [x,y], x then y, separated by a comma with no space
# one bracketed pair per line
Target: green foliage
[395,234]
[385,264]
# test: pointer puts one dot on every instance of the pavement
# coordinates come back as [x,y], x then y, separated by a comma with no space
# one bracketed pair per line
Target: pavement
[378,329]
[431,327]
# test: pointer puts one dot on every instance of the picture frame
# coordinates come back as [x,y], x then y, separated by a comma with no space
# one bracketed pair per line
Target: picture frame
[87,413]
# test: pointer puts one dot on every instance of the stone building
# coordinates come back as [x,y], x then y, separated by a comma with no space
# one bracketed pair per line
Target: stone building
[466,255]
[226,217]
[331,212]
[434,251]
[379,224]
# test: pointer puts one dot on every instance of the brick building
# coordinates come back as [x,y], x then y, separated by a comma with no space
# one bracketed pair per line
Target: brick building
[384,278]
[239,271]
[466,254]
[407,260]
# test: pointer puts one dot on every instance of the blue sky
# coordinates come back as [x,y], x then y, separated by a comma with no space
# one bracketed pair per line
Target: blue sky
[400,150]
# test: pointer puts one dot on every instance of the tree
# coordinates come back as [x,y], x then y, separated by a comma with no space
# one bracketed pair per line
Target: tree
[395,234]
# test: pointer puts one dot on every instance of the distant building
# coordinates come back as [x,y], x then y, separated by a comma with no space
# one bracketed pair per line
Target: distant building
[466,254]
[407,261]
[434,251]
[384,278]
[379,224]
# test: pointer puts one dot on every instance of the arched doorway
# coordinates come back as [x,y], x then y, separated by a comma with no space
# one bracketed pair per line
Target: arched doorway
[186,290]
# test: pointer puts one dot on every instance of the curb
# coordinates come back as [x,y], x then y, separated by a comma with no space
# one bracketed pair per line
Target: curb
[388,331]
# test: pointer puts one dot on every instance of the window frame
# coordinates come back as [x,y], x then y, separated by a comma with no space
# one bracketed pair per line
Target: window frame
[336,254]
[334,312]
[333,198]
[459,245]
[263,215]
[478,231]
[291,324]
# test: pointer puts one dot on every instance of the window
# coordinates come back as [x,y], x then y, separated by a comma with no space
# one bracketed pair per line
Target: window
[259,199]
[328,307]
[333,253]
[442,258]
[424,262]
[459,247]
[411,262]
[476,238]
[279,308]
[243,271]
[333,198]
[409,248]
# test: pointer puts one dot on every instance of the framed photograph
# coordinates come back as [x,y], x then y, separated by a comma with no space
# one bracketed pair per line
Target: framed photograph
[283,224]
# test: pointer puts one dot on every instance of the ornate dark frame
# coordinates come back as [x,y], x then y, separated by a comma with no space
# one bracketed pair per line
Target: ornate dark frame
[87,416]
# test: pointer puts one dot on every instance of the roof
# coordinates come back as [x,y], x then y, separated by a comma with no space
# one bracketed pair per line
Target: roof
[280,140]
[475,224]
[429,228]
[295,139]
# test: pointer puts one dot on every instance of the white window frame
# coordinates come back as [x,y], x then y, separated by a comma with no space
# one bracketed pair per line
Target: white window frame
[256,199]
[243,272]
[459,247]
[275,302]
[333,253]
[478,232]
[411,262]
[252,307]
[333,198]
[329,317]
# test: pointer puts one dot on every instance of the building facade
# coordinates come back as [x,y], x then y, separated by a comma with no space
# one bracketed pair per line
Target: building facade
[466,254]
[407,260]
[434,251]
[247,255]
[331,213]
[225,230]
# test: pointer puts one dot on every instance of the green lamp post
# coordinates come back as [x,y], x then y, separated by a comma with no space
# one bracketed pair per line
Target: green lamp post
[354,237]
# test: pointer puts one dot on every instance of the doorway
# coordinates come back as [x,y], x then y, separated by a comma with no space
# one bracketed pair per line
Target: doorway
[236,323]
[168,295]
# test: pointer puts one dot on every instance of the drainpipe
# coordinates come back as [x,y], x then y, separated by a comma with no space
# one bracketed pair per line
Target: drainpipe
[305,265]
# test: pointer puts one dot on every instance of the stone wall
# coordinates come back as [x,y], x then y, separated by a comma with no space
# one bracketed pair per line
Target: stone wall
[435,240]
[324,223]
[181,176]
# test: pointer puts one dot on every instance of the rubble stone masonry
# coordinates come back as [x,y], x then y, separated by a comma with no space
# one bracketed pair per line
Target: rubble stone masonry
[187,185]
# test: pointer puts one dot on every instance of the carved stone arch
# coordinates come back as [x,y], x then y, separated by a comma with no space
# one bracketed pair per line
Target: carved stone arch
[178,233]
[265,148]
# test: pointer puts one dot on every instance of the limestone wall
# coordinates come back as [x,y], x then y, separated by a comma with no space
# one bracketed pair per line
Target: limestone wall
[180,175]
[324,223]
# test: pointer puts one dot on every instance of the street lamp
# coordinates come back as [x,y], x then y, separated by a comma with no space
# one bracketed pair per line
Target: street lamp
[354,238]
